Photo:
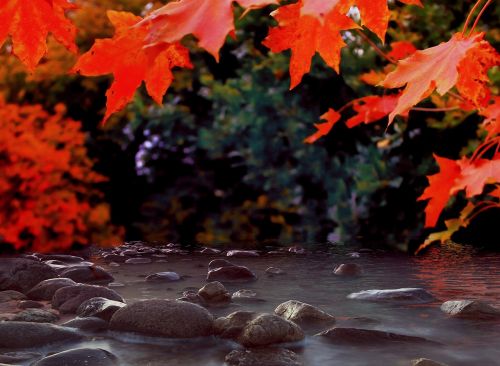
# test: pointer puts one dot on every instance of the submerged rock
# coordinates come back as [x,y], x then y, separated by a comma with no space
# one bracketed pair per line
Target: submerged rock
[163,277]
[165,318]
[68,299]
[11,295]
[91,324]
[215,292]
[139,260]
[18,357]
[99,307]
[243,296]
[218,263]
[29,304]
[232,325]
[36,316]
[80,356]
[406,295]
[301,312]
[348,270]
[231,274]
[66,258]
[21,274]
[275,271]
[210,251]
[46,289]
[425,362]
[363,337]
[25,335]
[87,274]
[267,329]
[242,253]
[263,357]
[470,309]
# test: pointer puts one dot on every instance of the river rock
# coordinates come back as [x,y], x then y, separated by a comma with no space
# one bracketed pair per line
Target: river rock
[46,289]
[267,329]
[425,362]
[138,260]
[99,307]
[29,304]
[296,249]
[66,258]
[26,335]
[68,299]
[11,295]
[263,357]
[210,251]
[362,337]
[231,274]
[405,295]
[470,309]
[348,270]
[163,277]
[21,274]
[80,356]
[116,258]
[11,358]
[300,312]
[215,292]
[91,324]
[242,253]
[165,318]
[245,296]
[274,271]
[87,274]
[218,263]
[232,325]
[36,316]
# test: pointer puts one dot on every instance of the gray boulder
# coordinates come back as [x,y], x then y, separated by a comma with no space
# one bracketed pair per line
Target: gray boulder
[348,270]
[267,329]
[232,325]
[46,289]
[301,312]
[138,260]
[246,296]
[215,292]
[11,295]
[36,316]
[231,274]
[87,274]
[68,299]
[21,274]
[363,337]
[80,356]
[218,263]
[263,357]
[470,309]
[99,307]
[163,277]
[29,304]
[165,318]
[27,335]
[91,324]
[404,295]
[425,362]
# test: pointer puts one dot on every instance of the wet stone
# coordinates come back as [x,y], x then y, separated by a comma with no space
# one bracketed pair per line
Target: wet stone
[404,295]
[18,357]
[263,357]
[11,295]
[29,304]
[348,270]
[218,263]
[99,307]
[274,271]
[267,329]
[363,337]
[46,289]
[21,274]
[138,260]
[425,362]
[301,312]
[231,274]
[91,324]
[242,253]
[87,274]
[36,316]
[246,296]
[163,277]
[15,334]
[80,356]
[232,325]
[470,309]
[214,292]
[68,299]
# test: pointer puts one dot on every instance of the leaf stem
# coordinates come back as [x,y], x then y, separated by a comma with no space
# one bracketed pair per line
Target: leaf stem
[478,17]
[445,109]
[469,17]
[375,47]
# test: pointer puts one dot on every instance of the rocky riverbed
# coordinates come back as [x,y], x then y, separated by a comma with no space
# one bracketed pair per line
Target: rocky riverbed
[324,305]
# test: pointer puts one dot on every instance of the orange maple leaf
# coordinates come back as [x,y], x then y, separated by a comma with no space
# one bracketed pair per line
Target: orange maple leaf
[372,108]
[305,35]
[476,174]
[438,191]
[29,23]
[130,62]
[331,117]
[401,50]
[492,121]
[209,21]
[435,68]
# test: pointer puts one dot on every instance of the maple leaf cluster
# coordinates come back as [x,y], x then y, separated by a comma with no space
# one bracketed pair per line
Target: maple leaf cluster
[47,182]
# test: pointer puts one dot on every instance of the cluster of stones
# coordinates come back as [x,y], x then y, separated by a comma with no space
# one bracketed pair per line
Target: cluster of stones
[38,291]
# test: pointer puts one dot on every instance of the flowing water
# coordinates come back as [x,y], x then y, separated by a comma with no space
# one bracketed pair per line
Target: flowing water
[447,274]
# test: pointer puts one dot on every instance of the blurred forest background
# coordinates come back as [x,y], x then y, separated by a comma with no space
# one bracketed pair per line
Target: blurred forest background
[223,160]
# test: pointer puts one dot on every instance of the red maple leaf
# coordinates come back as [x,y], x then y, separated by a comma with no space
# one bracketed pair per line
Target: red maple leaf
[209,21]
[29,23]
[306,35]
[476,174]
[130,62]
[492,121]
[372,108]
[331,117]
[438,191]
[401,50]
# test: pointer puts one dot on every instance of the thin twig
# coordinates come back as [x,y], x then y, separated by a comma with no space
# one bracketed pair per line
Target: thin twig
[479,17]
[423,109]
[375,47]
[469,17]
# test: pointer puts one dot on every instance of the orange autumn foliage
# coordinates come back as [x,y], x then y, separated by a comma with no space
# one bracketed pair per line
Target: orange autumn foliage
[48,199]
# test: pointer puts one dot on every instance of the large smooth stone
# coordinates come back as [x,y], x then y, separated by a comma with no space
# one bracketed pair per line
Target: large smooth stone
[425,362]
[217,263]
[46,289]
[470,309]
[21,274]
[163,277]
[361,337]
[11,295]
[87,274]
[80,356]
[11,358]
[61,257]
[406,295]
[242,253]
[246,296]
[348,270]
[301,312]
[231,274]
[165,318]
[214,292]
[91,324]
[99,307]
[138,260]
[263,357]
[36,316]
[232,325]
[269,329]
[68,299]
[26,335]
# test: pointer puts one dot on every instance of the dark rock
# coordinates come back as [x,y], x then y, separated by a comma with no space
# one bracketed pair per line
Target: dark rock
[62,257]
[231,274]
[165,318]
[108,258]
[263,357]
[232,325]
[242,253]
[405,295]
[363,337]
[274,271]
[218,263]
[192,297]
[296,249]
[45,290]
[11,295]
[29,304]
[18,357]
[91,324]
[27,335]
[36,316]
[210,251]
[80,356]
[214,292]
[245,296]
[99,307]
[138,260]
[301,312]
[425,362]
[87,274]
[68,299]
[348,270]
[163,277]
[21,274]
[267,329]
[470,309]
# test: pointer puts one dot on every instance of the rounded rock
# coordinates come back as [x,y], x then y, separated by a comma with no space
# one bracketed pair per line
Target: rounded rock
[36,316]
[68,299]
[348,270]
[80,356]
[301,312]
[46,289]
[269,329]
[263,357]
[87,274]
[26,335]
[99,307]
[21,274]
